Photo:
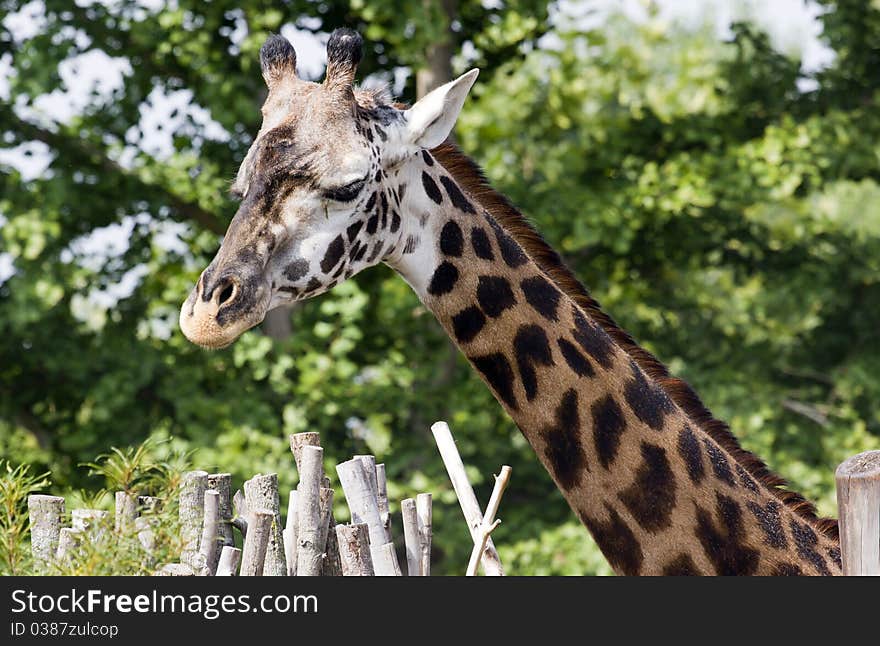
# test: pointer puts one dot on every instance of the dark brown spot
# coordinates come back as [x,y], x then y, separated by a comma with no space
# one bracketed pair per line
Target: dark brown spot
[651,497]
[481,244]
[451,239]
[494,295]
[723,544]
[564,451]
[594,340]
[647,400]
[431,188]
[333,254]
[497,371]
[720,465]
[689,450]
[468,323]
[542,295]
[443,280]
[682,565]
[530,346]
[616,540]
[770,522]
[575,360]
[608,425]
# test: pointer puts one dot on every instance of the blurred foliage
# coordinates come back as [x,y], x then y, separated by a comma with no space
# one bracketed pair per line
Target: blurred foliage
[721,205]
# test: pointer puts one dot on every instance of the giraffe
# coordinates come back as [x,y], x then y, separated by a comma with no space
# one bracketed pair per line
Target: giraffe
[339,179]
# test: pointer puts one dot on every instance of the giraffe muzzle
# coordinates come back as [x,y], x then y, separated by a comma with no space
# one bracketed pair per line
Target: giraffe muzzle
[220,309]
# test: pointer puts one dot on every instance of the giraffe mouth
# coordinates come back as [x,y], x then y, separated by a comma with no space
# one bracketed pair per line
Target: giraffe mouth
[215,315]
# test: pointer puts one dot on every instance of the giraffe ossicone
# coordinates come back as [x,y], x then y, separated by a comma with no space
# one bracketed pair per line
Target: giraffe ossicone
[339,179]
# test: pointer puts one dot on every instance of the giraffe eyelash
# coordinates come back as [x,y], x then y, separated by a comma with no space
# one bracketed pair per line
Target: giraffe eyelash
[346,193]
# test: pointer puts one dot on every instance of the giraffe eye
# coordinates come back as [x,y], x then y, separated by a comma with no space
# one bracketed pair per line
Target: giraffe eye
[345,193]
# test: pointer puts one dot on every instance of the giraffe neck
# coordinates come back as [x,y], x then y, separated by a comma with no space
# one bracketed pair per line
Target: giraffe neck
[658,493]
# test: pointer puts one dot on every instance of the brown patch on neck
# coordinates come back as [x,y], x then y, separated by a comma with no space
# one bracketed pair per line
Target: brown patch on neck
[471,178]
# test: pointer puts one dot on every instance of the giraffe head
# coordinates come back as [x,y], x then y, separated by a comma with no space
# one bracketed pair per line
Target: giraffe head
[319,188]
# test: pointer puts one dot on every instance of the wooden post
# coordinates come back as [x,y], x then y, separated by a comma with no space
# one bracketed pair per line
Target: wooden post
[256,542]
[363,503]
[261,492]
[426,531]
[126,504]
[466,498]
[858,501]
[382,498]
[239,513]
[411,536]
[222,484]
[191,512]
[354,549]
[298,441]
[69,540]
[209,547]
[45,514]
[229,560]
[290,534]
[309,549]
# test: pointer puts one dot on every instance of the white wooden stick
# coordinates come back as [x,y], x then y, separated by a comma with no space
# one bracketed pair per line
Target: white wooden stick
[191,510]
[256,542]
[69,540]
[466,498]
[354,550]
[389,556]
[362,501]
[382,498]
[426,532]
[125,511]
[261,492]
[411,536]
[489,523]
[45,513]
[222,483]
[858,500]
[229,560]
[290,534]
[309,548]
[209,545]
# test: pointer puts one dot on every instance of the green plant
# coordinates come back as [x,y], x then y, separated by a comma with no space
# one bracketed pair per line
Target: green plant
[15,486]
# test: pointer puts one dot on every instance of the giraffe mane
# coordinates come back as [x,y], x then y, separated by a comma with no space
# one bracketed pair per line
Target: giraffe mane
[471,177]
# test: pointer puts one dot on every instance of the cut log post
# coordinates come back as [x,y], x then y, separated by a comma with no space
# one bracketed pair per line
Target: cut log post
[309,547]
[389,556]
[45,514]
[290,534]
[69,541]
[126,509]
[369,462]
[489,523]
[91,522]
[222,484]
[354,549]
[332,561]
[229,560]
[382,498]
[466,498]
[240,513]
[298,441]
[146,534]
[256,542]
[191,512]
[362,501]
[411,536]
[209,546]
[261,492]
[858,501]
[426,531]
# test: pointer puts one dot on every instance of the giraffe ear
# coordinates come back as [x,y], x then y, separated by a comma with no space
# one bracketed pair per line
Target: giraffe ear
[277,59]
[432,118]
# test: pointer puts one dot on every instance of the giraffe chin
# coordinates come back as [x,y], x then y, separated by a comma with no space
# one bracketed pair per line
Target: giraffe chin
[199,324]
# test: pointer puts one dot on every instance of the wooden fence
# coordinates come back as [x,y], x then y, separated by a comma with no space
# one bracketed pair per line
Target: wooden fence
[310,543]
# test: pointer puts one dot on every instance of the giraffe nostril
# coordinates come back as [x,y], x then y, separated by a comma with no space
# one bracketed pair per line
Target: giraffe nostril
[226,291]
